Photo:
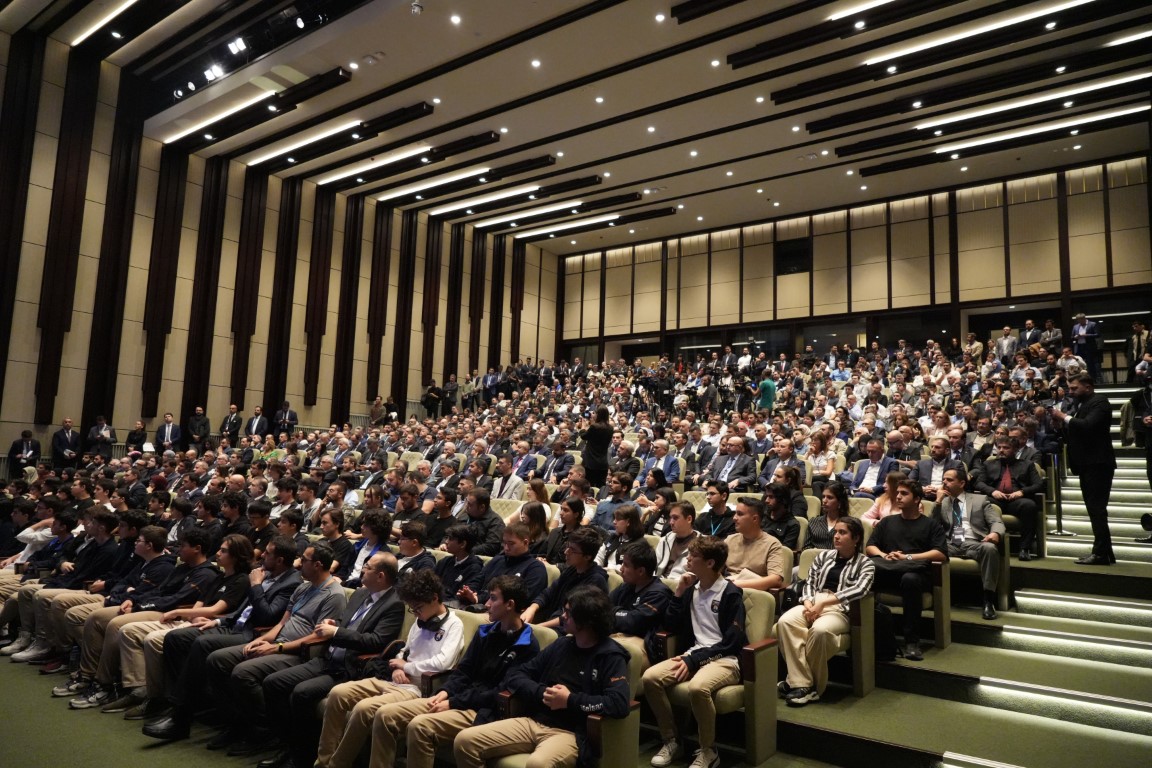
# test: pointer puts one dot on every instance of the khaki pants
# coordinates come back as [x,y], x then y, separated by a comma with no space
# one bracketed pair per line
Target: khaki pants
[702,688]
[60,628]
[348,715]
[48,625]
[26,600]
[108,666]
[134,672]
[549,747]
[806,649]
[425,732]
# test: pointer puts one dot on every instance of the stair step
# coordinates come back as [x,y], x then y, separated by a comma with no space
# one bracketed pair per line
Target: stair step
[1129,512]
[1126,580]
[1121,483]
[1089,692]
[1121,528]
[974,731]
[1077,547]
[1073,605]
[1119,496]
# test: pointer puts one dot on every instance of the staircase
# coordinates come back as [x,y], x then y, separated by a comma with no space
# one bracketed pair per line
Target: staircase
[1131,497]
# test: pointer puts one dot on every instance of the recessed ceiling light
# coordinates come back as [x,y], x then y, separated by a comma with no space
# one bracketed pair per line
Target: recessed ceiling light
[611,223]
[1074,132]
[191,85]
[863,186]
[728,173]
[824,153]
[963,168]
[659,17]
[419,197]
[776,204]
[553,235]
[513,224]
[435,99]
[892,69]
[355,135]
[795,129]
[209,75]
[917,104]
[1011,306]
[760,191]
[454,19]
[651,129]
[1060,70]
[759,99]
[955,156]
[299,22]
[483,180]
[1068,104]
[503,130]
[271,107]
[536,63]
[573,242]
[559,154]
[359,179]
[353,65]
[715,62]
[850,172]
[117,35]
[575,210]
[469,211]
[599,99]
[692,153]
[607,174]
[860,24]
[208,136]
[1077,146]
[631,231]
[291,159]
[425,159]
[699,218]
[647,191]
[937,133]
[680,207]
[1050,25]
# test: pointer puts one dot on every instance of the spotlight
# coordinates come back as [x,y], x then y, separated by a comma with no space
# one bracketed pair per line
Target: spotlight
[191,85]
[237,46]
[300,22]
[417,7]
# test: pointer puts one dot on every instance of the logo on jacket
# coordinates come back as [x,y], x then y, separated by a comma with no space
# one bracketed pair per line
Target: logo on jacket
[715,606]
[595,674]
[439,635]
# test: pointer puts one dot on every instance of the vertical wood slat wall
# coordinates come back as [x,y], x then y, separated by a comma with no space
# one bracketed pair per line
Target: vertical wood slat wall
[1004,239]
[197,283]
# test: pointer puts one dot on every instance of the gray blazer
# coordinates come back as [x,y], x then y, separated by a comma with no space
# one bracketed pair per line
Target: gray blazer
[982,515]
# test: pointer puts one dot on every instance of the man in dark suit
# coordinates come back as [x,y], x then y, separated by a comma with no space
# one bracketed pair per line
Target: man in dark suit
[1029,335]
[24,452]
[930,472]
[101,437]
[734,466]
[65,446]
[523,462]
[371,621]
[558,465]
[784,456]
[1012,483]
[168,435]
[868,480]
[974,530]
[285,419]
[198,429]
[230,427]
[1091,458]
[186,649]
[1085,334]
[257,426]
[660,459]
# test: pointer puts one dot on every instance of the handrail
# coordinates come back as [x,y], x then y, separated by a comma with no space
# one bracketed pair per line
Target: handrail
[1055,483]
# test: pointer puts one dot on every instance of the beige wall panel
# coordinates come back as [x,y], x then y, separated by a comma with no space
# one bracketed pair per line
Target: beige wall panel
[1032,222]
[792,228]
[1086,214]
[870,246]
[980,229]
[1086,255]
[830,251]
[43,162]
[672,294]
[910,209]
[1035,268]
[909,240]
[910,282]
[648,277]
[591,325]
[618,282]
[694,271]
[1089,283]
[868,216]
[758,261]
[726,266]
[1130,257]
[827,223]
[51,109]
[150,154]
[694,306]
[980,269]
[757,299]
[792,295]
[548,315]
[646,313]
[55,62]
[869,284]
[725,288]
[24,345]
[36,217]
[137,285]
[757,234]
[18,406]
[690,246]
[529,340]
[1128,207]
[829,292]
[97,189]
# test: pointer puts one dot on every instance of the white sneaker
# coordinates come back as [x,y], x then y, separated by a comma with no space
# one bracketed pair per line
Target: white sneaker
[667,754]
[705,758]
[72,687]
[38,650]
[23,641]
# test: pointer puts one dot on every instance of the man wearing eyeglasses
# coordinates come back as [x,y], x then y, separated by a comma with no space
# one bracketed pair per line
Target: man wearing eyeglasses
[733,466]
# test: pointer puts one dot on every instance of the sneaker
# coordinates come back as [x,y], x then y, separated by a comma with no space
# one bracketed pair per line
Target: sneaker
[23,642]
[912,652]
[74,686]
[782,688]
[124,703]
[667,754]
[35,652]
[801,696]
[705,758]
[96,696]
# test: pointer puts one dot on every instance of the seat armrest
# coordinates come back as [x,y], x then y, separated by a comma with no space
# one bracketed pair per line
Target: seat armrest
[749,655]
[508,705]
[937,572]
[666,641]
[600,728]
[430,684]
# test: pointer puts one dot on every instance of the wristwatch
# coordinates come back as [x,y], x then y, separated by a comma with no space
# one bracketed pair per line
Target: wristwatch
[908,557]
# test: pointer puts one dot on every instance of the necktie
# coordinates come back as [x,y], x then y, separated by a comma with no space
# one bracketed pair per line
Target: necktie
[338,654]
[727,468]
[500,491]
[1005,485]
[957,521]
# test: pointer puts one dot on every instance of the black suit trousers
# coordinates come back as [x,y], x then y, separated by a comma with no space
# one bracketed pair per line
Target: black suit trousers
[185,653]
[1096,485]
[291,696]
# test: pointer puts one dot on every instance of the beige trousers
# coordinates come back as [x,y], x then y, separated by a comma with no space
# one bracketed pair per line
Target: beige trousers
[702,688]
[425,732]
[806,649]
[348,714]
[549,747]
[134,670]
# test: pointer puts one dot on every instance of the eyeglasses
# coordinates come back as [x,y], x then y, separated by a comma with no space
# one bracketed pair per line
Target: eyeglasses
[416,609]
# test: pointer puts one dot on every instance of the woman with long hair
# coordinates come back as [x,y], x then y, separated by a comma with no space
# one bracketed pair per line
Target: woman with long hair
[885,503]
[789,477]
[597,438]
[656,513]
[535,516]
[628,528]
[570,518]
[810,633]
[823,461]
[833,506]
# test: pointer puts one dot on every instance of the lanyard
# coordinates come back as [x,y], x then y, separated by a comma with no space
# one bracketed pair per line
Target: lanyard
[308,595]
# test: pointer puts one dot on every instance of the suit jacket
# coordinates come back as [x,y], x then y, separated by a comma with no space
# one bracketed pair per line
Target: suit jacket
[670,466]
[16,458]
[1024,476]
[257,425]
[1087,348]
[982,516]
[62,441]
[1089,437]
[742,475]
[770,466]
[174,439]
[524,466]
[922,472]
[1028,338]
[512,488]
[286,421]
[99,444]
[268,605]
[231,427]
[372,633]
[887,464]
[559,466]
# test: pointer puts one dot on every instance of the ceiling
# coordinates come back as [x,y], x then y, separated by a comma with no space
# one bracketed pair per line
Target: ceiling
[685,117]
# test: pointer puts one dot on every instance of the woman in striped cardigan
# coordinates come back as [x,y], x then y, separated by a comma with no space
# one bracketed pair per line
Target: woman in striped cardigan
[809,634]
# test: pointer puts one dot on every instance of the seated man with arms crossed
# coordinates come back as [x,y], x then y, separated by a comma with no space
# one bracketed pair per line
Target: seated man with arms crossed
[583,673]
[672,551]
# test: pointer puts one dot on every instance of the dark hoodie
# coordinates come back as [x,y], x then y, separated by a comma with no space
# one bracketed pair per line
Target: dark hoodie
[475,683]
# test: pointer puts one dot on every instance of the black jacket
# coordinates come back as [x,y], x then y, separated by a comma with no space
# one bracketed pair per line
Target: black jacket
[455,575]
[142,580]
[184,586]
[475,683]
[640,613]
[551,600]
[730,616]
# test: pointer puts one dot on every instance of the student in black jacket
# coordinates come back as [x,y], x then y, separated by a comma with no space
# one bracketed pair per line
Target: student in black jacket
[469,696]
[516,560]
[706,605]
[581,571]
[581,674]
[641,601]
[413,556]
[461,567]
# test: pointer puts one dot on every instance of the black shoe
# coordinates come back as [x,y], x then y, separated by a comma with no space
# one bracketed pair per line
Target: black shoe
[1143,540]
[989,611]
[167,729]
[283,759]
[1094,559]
[223,740]
[251,745]
[1025,555]
[152,709]
[912,652]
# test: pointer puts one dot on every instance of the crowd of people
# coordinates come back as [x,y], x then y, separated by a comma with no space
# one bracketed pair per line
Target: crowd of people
[247,574]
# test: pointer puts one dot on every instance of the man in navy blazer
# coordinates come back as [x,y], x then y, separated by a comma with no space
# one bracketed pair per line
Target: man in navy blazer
[257,426]
[558,465]
[868,482]
[930,472]
[168,435]
[662,460]
[784,456]
[524,461]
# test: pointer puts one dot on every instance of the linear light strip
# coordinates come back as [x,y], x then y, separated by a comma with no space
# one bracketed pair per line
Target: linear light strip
[1034,100]
[96,27]
[968,761]
[482,200]
[306,142]
[395,157]
[866,6]
[1068,694]
[414,188]
[569,225]
[221,116]
[1079,600]
[990,27]
[1130,38]
[1040,129]
[1057,635]
[529,212]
